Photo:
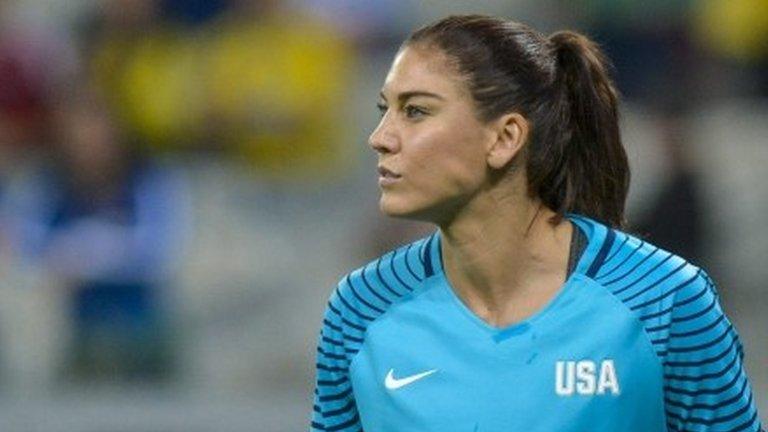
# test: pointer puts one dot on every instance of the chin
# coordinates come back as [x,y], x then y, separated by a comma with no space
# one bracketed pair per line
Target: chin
[398,207]
[393,205]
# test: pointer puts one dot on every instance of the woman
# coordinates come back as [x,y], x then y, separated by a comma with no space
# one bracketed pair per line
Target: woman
[528,310]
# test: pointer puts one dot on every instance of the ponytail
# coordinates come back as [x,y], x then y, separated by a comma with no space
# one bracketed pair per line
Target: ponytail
[574,159]
[593,176]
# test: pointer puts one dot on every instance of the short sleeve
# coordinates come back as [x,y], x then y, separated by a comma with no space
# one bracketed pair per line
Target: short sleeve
[334,406]
[705,384]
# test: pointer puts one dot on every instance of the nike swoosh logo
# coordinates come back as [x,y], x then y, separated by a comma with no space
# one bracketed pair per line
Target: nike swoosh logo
[393,383]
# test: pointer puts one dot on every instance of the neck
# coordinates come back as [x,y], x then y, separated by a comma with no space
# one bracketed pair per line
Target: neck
[504,258]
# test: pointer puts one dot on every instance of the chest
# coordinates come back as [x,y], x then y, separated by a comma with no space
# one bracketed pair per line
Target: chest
[441,372]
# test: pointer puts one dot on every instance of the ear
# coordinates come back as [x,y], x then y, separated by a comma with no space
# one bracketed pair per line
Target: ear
[510,137]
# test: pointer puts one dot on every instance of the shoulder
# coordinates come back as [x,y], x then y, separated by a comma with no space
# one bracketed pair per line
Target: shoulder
[633,268]
[677,306]
[669,295]
[368,291]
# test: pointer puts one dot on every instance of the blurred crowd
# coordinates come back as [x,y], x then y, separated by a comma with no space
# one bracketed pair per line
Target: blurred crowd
[181,179]
[98,104]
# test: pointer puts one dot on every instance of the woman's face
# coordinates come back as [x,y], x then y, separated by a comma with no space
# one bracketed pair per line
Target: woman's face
[432,149]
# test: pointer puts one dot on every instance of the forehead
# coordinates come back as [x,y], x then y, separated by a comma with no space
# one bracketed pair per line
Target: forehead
[418,68]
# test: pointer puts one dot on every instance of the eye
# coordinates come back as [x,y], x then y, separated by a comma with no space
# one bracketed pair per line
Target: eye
[414,112]
[382,108]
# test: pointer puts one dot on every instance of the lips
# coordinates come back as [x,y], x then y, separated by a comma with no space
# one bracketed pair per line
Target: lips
[387,177]
[387,173]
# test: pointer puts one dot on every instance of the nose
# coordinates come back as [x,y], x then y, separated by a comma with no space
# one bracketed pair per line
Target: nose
[383,139]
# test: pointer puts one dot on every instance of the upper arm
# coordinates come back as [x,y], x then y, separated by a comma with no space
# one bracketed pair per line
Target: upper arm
[334,407]
[705,384]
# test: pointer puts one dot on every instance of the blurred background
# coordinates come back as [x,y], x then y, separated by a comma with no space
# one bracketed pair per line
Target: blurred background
[182,183]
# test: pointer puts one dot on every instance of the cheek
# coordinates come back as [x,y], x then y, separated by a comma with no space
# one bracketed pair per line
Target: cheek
[452,160]
[443,165]
[446,164]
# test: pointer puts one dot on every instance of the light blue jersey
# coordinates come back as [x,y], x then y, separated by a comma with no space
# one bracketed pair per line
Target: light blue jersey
[634,341]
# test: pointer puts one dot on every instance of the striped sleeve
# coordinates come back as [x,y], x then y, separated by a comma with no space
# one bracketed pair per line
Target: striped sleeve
[334,406]
[705,384]
[360,298]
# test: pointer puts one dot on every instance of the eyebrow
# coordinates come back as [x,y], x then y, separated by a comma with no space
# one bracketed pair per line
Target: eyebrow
[404,96]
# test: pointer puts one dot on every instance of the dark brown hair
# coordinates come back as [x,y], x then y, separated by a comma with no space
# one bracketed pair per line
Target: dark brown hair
[575,161]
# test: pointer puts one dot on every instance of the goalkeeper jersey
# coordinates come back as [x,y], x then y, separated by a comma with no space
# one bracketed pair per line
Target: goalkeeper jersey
[635,340]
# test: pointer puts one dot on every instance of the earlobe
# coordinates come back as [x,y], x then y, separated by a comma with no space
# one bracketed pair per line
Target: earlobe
[511,136]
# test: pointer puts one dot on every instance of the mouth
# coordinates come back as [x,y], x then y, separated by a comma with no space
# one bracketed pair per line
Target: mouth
[387,176]
[387,173]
